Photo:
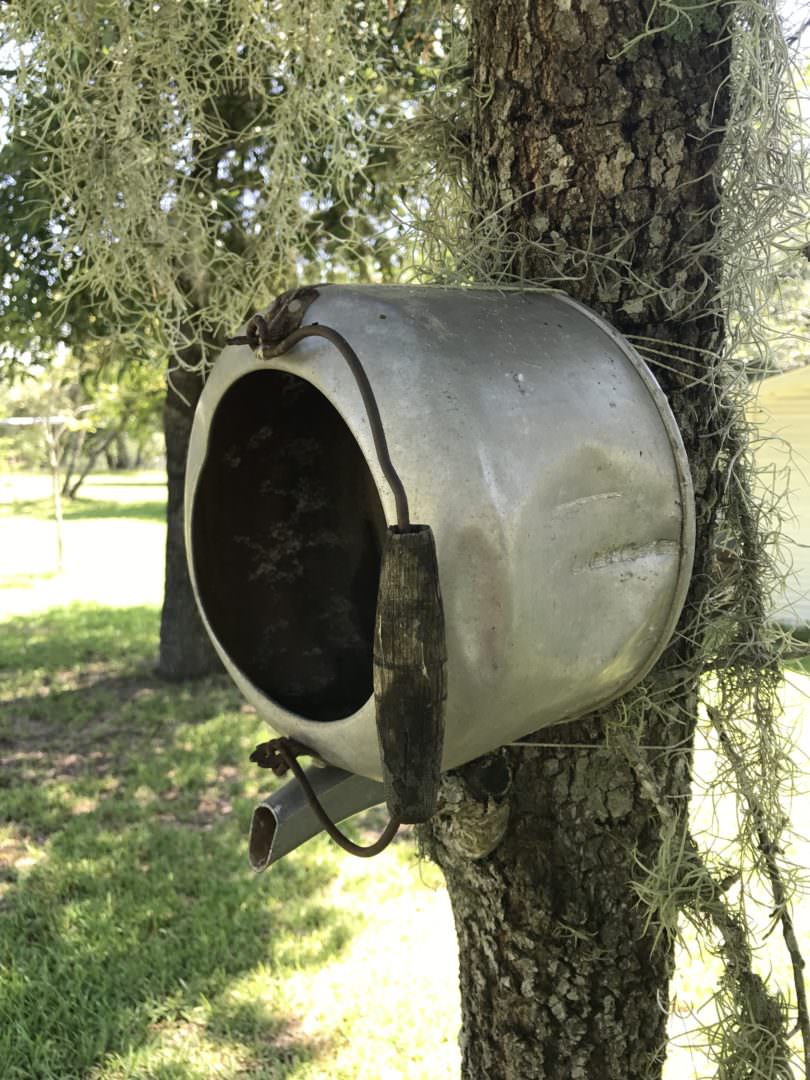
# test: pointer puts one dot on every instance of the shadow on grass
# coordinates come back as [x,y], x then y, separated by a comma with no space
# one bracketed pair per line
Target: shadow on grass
[88,510]
[127,911]
[76,634]
[92,509]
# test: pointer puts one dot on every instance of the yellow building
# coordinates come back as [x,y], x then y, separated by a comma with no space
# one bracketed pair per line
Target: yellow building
[782,412]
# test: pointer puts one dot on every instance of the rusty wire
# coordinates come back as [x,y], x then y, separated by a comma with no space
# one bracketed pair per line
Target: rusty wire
[281,755]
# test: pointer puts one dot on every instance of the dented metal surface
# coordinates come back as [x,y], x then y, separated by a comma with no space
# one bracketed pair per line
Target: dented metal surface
[533,439]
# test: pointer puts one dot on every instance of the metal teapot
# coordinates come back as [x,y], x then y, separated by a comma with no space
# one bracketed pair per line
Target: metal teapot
[539,448]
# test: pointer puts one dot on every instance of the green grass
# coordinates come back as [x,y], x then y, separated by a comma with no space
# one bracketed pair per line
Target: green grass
[80,509]
[127,905]
[135,944]
[134,940]
[114,537]
[128,496]
[118,489]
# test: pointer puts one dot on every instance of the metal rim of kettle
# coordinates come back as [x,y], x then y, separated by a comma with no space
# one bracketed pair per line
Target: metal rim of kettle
[221,382]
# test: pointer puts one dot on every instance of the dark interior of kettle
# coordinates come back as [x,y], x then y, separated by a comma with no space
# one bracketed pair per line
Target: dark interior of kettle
[287,533]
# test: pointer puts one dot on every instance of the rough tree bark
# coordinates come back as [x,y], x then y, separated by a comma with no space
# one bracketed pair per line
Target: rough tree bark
[185,649]
[583,144]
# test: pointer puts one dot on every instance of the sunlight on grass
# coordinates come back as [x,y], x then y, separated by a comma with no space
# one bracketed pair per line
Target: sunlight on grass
[135,944]
[134,940]
[114,542]
[364,978]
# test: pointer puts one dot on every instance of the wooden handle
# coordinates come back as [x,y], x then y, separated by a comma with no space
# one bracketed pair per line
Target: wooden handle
[410,682]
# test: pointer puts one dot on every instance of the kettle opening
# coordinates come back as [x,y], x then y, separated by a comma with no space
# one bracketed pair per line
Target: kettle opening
[287,530]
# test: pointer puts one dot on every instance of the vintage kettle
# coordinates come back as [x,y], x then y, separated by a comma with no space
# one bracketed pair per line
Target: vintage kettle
[537,452]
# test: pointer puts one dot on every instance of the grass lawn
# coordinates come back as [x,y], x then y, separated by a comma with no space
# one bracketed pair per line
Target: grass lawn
[134,940]
[114,539]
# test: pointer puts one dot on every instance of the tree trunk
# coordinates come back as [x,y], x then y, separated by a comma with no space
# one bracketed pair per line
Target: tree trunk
[71,487]
[185,649]
[123,458]
[74,449]
[602,165]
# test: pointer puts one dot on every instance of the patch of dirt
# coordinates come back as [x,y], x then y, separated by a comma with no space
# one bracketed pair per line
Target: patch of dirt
[30,736]
[284,1044]
[212,807]
[11,849]
[28,729]
[92,675]
[15,855]
[34,766]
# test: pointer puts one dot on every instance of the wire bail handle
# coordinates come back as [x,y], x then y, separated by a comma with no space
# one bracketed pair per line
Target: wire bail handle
[280,329]
[409,654]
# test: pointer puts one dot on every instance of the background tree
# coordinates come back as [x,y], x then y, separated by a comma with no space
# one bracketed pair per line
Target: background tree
[195,160]
[115,401]
[48,401]
[124,403]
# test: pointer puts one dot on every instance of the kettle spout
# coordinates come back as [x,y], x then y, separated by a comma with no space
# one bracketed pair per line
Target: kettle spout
[285,820]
